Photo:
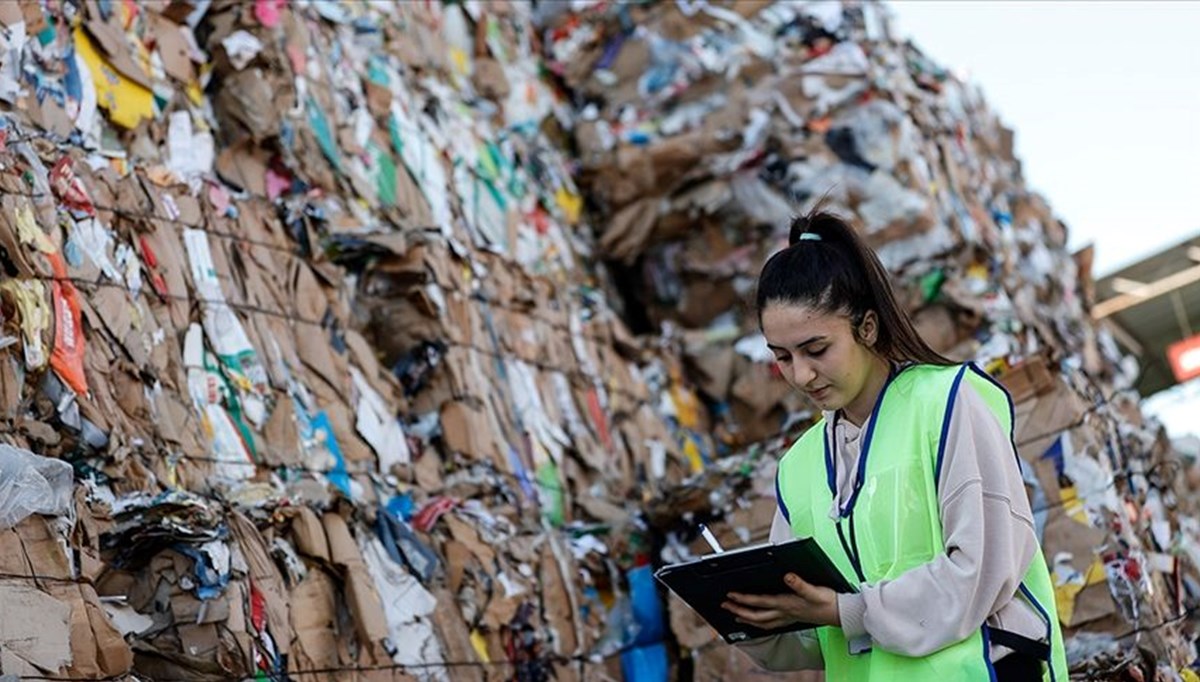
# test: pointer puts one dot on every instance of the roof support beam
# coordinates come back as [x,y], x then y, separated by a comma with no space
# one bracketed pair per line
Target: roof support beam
[1181,316]
[1152,290]
[1126,286]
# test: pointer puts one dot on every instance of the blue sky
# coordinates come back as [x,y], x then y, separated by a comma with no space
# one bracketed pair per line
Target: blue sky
[1105,101]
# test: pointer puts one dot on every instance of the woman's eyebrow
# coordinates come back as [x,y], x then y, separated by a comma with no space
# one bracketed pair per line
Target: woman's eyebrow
[798,346]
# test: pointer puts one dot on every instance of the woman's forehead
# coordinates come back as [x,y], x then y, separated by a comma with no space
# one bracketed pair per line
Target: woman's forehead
[787,324]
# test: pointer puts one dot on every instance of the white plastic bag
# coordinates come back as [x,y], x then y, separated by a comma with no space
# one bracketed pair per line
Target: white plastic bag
[31,484]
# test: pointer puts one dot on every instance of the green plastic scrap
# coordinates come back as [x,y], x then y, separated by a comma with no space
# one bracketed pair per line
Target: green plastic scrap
[320,127]
[385,176]
[551,493]
[377,72]
[931,284]
[48,34]
[219,366]
[394,132]
[490,163]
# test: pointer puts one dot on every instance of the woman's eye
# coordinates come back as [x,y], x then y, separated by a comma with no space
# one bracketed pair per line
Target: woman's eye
[818,352]
[783,358]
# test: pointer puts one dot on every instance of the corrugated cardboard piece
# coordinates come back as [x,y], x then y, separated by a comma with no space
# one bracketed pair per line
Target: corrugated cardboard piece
[56,624]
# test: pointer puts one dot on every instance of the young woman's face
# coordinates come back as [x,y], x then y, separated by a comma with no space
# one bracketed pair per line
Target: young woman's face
[818,353]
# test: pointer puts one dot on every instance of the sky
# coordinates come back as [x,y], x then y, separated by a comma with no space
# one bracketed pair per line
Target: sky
[1105,101]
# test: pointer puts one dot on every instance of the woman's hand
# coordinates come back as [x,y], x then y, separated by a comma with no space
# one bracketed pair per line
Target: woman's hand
[807,603]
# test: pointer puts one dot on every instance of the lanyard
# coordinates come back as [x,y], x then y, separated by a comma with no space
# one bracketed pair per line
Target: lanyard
[850,547]
[846,512]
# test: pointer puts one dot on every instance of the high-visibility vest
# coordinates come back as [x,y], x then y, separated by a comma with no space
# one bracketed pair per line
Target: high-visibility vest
[891,522]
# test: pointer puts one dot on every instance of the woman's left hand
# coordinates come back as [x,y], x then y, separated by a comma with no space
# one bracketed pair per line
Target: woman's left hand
[807,603]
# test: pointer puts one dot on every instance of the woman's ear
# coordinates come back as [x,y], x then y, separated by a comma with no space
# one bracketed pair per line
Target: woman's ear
[868,329]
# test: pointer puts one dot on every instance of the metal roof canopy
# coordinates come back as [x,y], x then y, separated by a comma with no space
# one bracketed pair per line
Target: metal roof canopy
[1151,304]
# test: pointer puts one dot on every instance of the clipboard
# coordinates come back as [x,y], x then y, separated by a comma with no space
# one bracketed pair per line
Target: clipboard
[703,583]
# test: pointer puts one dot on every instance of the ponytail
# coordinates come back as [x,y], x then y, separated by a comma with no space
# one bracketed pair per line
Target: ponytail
[829,268]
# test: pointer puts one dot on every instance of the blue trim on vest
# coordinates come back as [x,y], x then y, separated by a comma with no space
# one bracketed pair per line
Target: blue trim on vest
[987,653]
[1012,410]
[779,500]
[941,452]
[1012,438]
[830,469]
[1049,626]
[861,474]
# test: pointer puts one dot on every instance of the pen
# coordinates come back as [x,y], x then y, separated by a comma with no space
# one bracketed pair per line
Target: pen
[710,539]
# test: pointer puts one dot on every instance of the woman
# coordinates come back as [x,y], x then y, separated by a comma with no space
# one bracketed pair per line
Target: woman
[910,483]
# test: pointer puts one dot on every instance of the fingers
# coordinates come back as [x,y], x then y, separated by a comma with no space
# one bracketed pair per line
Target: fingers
[798,585]
[749,614]
[757,617]
[819,602]
[769,625]
[762,601]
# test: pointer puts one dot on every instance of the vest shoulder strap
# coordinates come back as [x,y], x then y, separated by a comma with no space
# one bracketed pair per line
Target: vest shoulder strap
[810,441]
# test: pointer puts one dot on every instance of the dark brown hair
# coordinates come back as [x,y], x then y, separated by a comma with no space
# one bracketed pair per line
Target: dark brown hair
[829,268]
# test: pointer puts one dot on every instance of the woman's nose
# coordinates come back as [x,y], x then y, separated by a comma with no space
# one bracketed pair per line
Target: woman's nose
[802,373]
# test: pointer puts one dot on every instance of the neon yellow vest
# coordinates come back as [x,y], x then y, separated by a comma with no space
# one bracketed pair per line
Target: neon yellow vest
[891,523]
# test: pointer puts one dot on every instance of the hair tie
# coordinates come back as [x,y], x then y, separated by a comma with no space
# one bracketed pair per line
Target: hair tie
[808,236]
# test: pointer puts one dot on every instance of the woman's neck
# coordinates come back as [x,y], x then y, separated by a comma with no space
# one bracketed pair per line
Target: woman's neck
[859,410]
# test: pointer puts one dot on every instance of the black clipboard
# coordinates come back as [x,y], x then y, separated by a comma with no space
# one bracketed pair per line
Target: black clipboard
[703,583]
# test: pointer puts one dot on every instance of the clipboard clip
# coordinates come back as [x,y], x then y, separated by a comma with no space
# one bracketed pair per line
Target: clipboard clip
[710,539]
